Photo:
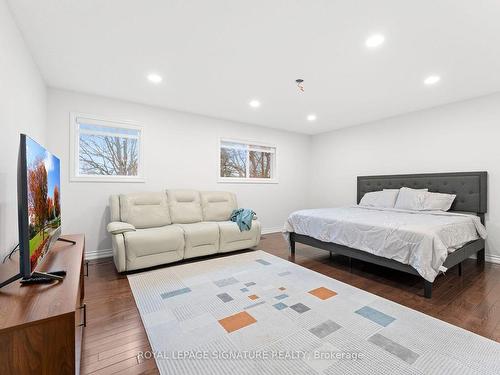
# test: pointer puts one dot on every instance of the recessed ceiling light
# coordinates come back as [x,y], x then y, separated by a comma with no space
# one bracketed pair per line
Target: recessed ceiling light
[254,103]
[432,80]
[375,40]
[154,78]
[311,117]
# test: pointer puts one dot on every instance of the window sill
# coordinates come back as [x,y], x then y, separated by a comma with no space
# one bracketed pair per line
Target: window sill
[112,179]
[226,180]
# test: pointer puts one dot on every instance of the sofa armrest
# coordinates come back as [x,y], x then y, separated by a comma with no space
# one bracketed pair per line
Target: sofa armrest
[118,227]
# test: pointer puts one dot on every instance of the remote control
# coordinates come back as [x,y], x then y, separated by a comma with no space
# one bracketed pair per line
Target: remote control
[57,273]
[36,280]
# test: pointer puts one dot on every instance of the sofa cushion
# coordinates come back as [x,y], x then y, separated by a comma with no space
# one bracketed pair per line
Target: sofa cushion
[200,239]
[232,239]
[217,205]
[152,241]
[144,210]
[138,263]
[185,206]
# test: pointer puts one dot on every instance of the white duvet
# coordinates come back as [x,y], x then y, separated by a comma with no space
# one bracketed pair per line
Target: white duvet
[421,239]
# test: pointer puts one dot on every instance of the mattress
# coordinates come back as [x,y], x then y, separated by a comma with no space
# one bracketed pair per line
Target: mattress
[422,239]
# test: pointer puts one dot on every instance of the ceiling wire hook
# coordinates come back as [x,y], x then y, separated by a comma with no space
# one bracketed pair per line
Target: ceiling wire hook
[300,84]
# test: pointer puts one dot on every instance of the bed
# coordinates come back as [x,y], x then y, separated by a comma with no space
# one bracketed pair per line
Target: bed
[419,243]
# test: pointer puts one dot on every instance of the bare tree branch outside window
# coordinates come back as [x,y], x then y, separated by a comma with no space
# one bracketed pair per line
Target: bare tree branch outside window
[108,154]
[233,162]
[246,161]
[260,164]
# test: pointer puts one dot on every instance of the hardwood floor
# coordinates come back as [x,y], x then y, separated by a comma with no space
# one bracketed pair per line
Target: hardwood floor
[115,334]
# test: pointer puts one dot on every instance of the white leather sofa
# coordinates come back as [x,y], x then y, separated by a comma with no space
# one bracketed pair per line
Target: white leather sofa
[150,229]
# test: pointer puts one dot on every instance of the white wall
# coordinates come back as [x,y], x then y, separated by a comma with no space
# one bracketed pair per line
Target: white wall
[463,136]
[181,151]
[22,110]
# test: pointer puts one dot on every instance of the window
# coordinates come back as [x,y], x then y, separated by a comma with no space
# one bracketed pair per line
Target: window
[247,162]
[104,150]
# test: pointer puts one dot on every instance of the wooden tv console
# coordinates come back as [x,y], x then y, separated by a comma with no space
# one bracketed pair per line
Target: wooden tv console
[41,326]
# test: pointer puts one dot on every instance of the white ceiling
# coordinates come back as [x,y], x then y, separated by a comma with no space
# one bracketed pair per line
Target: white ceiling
[215,56]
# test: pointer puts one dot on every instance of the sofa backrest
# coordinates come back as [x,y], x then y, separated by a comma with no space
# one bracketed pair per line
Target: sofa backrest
[156,209]
[114,207]
[185,206]
[145,210]
[217,205]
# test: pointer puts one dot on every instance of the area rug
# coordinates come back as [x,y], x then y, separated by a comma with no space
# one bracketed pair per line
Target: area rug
[255,313]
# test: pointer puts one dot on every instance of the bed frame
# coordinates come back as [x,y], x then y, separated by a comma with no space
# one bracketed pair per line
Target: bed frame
[470,189]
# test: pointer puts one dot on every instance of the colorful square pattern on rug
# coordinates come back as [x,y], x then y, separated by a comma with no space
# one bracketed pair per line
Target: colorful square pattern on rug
[256,313]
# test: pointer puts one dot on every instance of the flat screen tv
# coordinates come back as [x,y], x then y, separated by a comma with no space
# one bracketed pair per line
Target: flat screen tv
[39,203]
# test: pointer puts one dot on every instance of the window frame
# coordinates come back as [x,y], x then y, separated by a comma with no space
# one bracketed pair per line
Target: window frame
[248,180]
[74,161]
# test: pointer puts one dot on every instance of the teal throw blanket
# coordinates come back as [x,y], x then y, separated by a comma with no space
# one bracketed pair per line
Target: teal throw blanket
[243,217]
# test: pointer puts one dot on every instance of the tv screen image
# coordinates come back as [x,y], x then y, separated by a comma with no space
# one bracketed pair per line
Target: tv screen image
[41,203]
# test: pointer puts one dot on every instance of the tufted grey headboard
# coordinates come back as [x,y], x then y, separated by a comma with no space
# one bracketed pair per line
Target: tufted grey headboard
[470,187]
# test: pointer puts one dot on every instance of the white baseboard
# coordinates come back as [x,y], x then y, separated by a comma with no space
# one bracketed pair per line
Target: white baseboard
[493,258]
[106,253]
[272,230]
[96,254]
[489,258]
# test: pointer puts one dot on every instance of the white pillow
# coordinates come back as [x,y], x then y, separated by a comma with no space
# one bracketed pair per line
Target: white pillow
[385,198]
[411,199]
[438,201]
